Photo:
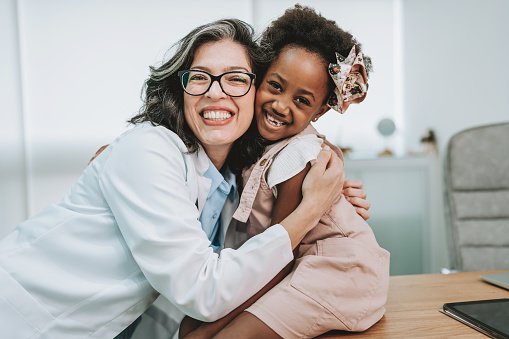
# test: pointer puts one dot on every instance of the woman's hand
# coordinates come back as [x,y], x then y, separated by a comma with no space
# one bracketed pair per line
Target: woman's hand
[353,192]
[97,153]
[323,184]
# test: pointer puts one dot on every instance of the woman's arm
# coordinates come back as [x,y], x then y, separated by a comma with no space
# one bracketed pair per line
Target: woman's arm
[352,190]
[144,180]
[289,197]
[192,328]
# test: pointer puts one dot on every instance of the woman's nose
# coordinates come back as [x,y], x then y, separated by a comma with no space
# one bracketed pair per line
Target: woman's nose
[215,91]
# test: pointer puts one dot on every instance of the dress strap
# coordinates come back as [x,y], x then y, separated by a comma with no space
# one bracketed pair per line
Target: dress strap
[253,182]
[258,171]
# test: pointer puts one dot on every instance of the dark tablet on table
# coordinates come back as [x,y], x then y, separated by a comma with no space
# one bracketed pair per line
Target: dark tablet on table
[490,317]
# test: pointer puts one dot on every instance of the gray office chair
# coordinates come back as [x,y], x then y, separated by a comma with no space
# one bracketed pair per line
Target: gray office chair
[477,177]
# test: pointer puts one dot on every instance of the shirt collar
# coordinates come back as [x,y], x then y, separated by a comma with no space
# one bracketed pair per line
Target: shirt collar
[224,180]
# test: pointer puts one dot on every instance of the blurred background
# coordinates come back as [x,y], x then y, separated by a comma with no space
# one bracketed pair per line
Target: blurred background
[71,74]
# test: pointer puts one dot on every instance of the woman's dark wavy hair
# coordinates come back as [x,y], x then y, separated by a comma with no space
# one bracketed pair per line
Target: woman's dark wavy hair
[164,97]
[303,27]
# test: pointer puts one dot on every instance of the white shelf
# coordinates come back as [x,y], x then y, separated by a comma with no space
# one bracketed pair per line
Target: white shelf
[405,216]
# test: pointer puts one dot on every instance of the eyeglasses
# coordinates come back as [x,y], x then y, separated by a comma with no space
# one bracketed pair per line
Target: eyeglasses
[234,84]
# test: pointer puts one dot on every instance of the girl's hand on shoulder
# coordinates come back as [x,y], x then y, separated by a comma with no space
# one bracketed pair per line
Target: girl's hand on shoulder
[353,192]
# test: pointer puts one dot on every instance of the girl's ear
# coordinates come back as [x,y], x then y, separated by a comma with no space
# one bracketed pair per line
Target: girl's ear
[320,112]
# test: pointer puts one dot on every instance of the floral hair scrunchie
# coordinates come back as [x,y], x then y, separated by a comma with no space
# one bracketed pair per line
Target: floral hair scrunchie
[351,80]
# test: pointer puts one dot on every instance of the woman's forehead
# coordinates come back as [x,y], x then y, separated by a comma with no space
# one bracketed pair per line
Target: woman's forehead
[223,55]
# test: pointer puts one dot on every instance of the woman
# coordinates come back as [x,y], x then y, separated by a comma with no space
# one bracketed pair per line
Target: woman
[129,230]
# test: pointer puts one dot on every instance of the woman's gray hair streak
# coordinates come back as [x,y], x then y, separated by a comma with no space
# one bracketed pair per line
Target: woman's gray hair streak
[218,30]
[163,96]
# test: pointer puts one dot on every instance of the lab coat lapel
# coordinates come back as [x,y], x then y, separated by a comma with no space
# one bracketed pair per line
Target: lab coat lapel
[202,164]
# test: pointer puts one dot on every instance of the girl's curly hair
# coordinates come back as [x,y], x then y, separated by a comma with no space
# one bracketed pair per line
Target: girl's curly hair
[302,27]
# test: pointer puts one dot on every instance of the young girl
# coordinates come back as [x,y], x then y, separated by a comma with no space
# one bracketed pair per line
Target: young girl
[340,277]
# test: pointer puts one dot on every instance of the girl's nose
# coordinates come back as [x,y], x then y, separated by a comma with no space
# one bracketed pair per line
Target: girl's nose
[281,107]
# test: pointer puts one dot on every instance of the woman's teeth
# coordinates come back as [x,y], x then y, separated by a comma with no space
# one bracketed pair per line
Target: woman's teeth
[274,122]
[217,115]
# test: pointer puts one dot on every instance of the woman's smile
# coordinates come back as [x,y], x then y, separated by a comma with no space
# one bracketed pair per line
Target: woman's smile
[215,118]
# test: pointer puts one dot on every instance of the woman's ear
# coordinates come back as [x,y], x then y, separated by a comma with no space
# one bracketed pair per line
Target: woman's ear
[320,112]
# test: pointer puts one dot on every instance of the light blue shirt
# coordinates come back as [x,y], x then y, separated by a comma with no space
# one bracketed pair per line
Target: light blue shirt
[222,186]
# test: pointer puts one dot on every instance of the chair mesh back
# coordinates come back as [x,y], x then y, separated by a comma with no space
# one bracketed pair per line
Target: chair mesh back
[477,175]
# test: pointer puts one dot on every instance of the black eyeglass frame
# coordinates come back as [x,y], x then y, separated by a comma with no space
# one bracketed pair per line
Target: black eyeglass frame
[213,78]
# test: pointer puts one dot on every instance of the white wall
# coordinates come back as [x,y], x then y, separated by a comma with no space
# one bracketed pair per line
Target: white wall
[72,71]
[455,76]
[13,207]
[456,70]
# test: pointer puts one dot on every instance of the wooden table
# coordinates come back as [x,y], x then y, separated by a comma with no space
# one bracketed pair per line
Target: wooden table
[413,304]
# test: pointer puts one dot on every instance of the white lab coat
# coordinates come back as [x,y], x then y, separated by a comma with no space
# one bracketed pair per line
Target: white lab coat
[128,230]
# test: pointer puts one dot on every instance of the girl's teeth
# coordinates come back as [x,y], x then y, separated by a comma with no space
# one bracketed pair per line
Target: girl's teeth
[274,122]
[217,115]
